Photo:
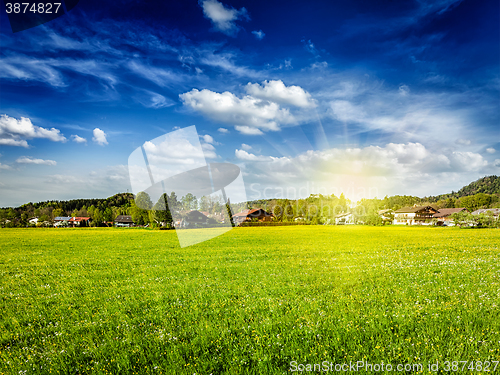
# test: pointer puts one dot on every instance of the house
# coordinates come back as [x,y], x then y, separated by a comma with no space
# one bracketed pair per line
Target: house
[494,211]
[386,215]
[62,218]
[416,215]
[124,221]
[443,216]
[193,219]
[344,218]
[255,214]
[33,221]
[79,221]
[61,221]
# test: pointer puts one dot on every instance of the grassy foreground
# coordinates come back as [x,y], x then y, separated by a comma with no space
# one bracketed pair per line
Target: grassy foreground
[251,301]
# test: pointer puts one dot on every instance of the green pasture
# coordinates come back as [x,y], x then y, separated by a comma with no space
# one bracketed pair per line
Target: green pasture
[252,301]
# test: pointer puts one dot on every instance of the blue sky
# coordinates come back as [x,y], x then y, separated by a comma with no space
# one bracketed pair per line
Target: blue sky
[365,98]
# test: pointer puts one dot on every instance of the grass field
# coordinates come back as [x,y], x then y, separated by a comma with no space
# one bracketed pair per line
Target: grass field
[251,301]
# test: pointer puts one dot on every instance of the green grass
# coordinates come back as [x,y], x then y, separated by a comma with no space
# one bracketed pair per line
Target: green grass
[251,301]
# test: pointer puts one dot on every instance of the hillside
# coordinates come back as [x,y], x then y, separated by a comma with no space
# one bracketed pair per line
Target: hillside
[485,185]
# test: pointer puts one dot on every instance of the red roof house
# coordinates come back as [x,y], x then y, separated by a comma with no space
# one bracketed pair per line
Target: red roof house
[79,221]
[255,214]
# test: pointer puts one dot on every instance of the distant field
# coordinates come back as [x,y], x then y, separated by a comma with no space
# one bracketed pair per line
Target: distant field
[251,301]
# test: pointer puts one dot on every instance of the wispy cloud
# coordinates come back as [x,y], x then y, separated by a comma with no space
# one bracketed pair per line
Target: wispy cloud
[30,160]
[150,99]
[225,61]
[28,69]
[163,77]
[426,117]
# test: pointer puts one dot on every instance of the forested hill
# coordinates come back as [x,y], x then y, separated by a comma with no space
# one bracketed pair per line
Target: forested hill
[485,185]
[117,200]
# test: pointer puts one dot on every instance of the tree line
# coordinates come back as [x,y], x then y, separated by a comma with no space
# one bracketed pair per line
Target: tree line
[315,209]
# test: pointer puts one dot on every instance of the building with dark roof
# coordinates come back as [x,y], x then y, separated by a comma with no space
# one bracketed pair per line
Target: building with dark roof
[124,221]
[62,218]
[416,215]
[255,214]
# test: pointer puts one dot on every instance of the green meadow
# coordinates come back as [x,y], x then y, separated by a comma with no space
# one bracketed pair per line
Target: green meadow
[252,301]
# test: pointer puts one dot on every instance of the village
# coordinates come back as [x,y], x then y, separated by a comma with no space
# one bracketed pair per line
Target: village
[475,205]
[414,215]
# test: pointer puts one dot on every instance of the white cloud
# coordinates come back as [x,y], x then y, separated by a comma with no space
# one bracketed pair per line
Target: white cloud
[497,163]
[30,160]
[13,142]
[168,152]
[222,18]
[467,161]
[490,150]
[259,34]
[246,113]
[396,168]
[248,130]
[14,132]
[4,166]
[99,137]
[276,91]
[246,147]
[78,139]
[243,155]
[207,138]
[223,130]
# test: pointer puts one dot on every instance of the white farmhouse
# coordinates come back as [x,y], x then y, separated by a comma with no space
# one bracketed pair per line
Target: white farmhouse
[416,215]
